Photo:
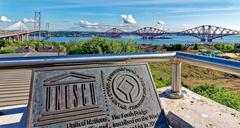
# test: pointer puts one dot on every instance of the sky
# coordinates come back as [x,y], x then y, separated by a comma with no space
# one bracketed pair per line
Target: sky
[100,15]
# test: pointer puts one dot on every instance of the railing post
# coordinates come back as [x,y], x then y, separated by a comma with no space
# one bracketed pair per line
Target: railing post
[176,91]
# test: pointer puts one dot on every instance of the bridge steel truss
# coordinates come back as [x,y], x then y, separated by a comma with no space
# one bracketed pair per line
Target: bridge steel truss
[209,32]
[204,32]
[149,32]
[114,32]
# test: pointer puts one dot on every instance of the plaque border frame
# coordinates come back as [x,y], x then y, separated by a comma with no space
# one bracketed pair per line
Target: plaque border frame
[58,68]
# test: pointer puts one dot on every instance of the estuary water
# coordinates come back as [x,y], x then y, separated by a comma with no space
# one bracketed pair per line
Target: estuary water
[174,39]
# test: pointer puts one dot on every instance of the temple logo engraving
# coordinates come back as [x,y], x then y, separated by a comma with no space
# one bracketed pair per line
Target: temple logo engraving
[69,96]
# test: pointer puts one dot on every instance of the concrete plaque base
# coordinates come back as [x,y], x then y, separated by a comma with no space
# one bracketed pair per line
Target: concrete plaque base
[118,96]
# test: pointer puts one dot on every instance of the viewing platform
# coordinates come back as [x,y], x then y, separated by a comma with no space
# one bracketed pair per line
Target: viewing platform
[192,111]
[197,111]
[182,107]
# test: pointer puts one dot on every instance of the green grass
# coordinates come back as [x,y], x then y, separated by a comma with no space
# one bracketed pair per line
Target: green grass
[219,94]
[161,72]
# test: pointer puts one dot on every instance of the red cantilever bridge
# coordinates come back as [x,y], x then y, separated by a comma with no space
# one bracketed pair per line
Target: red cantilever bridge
[204,32]
[145,33]
[209,32]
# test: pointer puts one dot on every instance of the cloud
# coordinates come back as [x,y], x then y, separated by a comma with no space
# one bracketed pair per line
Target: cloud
[5,19]
[160,22]
[25,20]
[104,27]
[128,19]
[87,24]
[161,25]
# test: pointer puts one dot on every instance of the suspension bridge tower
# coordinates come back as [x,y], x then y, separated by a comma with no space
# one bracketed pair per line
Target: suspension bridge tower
[37,24]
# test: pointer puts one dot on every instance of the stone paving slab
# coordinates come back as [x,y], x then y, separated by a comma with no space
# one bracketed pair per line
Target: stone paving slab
[199,111]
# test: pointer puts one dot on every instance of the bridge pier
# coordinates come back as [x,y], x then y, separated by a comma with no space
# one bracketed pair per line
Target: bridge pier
[27,37]
[24,37]
[203,40]
[151,37]
[209,40]
[147,37]
[11,38]
[16,38]
[20,37]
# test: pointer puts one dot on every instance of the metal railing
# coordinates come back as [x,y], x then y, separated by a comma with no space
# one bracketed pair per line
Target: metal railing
[228,66]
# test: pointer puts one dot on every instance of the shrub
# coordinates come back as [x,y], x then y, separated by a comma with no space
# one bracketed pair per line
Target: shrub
[175,47]
[225,47]
[195,47]
[219,94]
[4,51]
[98,45]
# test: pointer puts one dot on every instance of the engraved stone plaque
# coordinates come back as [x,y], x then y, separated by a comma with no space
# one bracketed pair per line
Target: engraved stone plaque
[117,96]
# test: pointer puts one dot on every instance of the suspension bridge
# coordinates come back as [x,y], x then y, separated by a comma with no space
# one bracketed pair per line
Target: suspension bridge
[206,33]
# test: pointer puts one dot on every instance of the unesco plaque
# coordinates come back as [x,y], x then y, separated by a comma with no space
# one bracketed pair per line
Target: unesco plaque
[118,96]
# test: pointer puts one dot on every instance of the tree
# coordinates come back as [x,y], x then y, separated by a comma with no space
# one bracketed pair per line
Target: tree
[224,47]
[195,47]
[101,45]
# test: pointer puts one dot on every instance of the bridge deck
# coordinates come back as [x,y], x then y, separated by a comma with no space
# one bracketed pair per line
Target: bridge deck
[4,34]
